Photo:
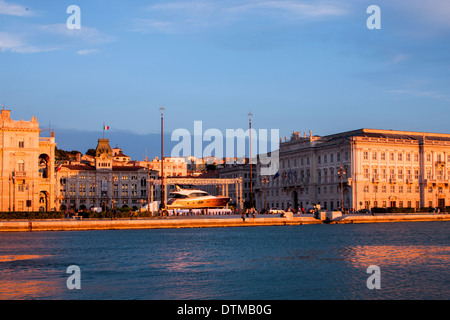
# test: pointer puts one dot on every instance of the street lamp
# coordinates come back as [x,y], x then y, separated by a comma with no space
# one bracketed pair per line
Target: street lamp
[162,159]
[341,173]
[265,181]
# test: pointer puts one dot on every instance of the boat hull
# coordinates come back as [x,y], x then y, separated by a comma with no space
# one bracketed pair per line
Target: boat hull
[200,203]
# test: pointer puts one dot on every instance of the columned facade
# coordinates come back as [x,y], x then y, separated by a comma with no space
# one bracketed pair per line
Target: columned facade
[360,169]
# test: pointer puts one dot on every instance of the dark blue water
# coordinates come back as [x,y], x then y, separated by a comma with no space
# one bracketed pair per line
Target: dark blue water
[264,263]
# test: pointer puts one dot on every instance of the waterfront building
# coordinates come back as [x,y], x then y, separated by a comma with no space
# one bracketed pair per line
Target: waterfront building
[27,163]
[359,169]
[108,180]
[241,171]
[173,166]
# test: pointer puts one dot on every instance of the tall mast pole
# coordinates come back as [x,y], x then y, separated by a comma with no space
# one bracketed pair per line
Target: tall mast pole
[250,154]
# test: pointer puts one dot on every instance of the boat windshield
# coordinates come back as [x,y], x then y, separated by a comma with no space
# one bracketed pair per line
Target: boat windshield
[179,196]
[197,194]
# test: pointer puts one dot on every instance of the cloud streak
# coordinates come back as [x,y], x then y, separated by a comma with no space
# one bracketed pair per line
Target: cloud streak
[10,42]
[12,9]
[186,16]
[51,37]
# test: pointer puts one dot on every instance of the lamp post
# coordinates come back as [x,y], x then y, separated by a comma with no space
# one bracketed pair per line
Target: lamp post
[162,159]
[265,181]
[341,173]
[148,187]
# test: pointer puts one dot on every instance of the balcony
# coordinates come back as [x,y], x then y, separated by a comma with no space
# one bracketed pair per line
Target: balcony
[20,174]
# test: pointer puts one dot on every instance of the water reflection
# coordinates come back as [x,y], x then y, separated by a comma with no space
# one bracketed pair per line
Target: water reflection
[19,289]
[364,256]
[8,258]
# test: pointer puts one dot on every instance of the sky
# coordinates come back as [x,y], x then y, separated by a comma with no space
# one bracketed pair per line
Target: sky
[296,65]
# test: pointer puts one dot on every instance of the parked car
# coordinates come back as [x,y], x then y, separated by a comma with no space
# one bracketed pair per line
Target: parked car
[275,211]
[364,211]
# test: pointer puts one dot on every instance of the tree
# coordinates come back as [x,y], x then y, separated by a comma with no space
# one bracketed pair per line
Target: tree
[91,152]
[65,155]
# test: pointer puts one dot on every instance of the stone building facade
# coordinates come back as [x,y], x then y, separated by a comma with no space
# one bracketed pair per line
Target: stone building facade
[110,180]
[27,166]
[363,168]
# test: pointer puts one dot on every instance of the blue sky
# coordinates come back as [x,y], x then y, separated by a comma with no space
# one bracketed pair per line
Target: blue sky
[296,65]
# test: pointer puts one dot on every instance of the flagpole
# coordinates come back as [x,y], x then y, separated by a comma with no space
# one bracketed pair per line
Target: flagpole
[103,130]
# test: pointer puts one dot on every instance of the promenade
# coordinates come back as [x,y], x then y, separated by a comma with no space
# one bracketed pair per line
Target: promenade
[207,222]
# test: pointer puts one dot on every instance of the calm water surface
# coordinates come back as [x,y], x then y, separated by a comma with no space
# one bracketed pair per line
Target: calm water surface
[263,263]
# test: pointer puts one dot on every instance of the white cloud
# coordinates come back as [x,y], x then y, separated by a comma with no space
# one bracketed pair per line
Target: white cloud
[85,34]
[12,9]
[297,9]
[87,51]
[182,16]
[42,38]
[15,43]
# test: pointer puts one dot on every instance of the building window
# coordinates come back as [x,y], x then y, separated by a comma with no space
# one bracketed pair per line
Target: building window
[366,155]
[366,173]
[400,156]
[374,155]
[383,156]
[21,166]
[21,143]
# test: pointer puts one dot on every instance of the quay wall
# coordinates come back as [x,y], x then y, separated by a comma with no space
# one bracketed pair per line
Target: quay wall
[391,218]
[68,225]
[168,223]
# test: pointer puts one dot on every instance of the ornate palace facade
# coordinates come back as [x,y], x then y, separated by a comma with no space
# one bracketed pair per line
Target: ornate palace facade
[363,168]
[108,180]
